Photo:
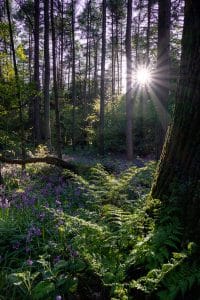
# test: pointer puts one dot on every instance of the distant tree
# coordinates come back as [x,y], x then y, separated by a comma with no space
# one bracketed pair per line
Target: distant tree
[36,106]
[102,89]
[73,74]
[177,182]
[47,124]
[129,96]
[17,81]
[117,10]
[55,85]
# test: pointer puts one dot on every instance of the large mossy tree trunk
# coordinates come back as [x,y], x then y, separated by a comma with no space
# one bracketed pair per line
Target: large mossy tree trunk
[178,178]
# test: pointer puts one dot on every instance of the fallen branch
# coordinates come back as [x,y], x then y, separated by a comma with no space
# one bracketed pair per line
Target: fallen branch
[47,159]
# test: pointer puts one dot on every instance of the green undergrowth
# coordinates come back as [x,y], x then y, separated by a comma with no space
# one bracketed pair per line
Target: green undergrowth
[93,236]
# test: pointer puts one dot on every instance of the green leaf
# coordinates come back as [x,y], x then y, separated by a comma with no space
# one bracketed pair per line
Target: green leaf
[61,265]
[43,289]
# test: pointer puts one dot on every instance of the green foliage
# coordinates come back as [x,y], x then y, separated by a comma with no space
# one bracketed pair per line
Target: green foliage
[72,235]
[115,126]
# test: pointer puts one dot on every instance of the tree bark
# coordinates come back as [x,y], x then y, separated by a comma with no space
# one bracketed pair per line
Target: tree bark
[18,89]
[163,71]
[55,86]
[148,32]
[129,99]
[47,124]
[36,112]
[73,78]
[102,91]
[177,182]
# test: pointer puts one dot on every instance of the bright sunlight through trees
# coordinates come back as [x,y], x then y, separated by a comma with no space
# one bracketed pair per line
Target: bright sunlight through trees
[143,76]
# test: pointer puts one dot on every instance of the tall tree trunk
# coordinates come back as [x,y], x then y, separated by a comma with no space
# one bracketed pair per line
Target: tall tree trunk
[163,70]
[102,91]
[121,56]
[73,78]
[36,106]
[117,55]
[177,182]
[148,31]
[55,86]
[62,49]
[47,124]
[96,88]
[113,59]
[18,89]
[129,99]
[85,96]
[30,61]
[89,51]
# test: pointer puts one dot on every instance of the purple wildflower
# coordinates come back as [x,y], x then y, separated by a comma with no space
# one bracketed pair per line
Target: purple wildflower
[58,203]
[16,245]
[29,262]
[58,297]
[42,216]
[56,259]
[27,249]
[33,232]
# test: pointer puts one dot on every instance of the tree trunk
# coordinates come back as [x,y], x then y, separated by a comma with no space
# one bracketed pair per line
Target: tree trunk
[129,99]
[73,78]
[102,91]
[96,87]
[18,89]
[177,182]
[36,106]
[148,32]
[163,70]
[47,124]
[113,59]
[55,87]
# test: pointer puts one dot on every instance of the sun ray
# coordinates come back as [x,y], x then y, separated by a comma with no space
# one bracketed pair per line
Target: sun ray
[143,76]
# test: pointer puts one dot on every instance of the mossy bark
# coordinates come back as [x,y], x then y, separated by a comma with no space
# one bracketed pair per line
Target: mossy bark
[177,180]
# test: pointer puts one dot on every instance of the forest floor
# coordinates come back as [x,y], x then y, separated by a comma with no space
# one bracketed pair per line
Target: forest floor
[66,235]
[116,162]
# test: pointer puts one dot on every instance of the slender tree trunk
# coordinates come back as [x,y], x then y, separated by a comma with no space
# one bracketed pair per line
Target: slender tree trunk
[117,55]
[129,96]
[148,31]
[18,90]
[163,71]
[47,124]
[62,48]
[102,91]
[36,106]
[121,56]
[69,75]
[73,78]
[113,59]
[177,182]
[30,61]
[89,51]
[96,88]
[30,54]
[55,87]
[86,67]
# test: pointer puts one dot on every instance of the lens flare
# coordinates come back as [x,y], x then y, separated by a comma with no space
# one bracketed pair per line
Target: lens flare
[143,76]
